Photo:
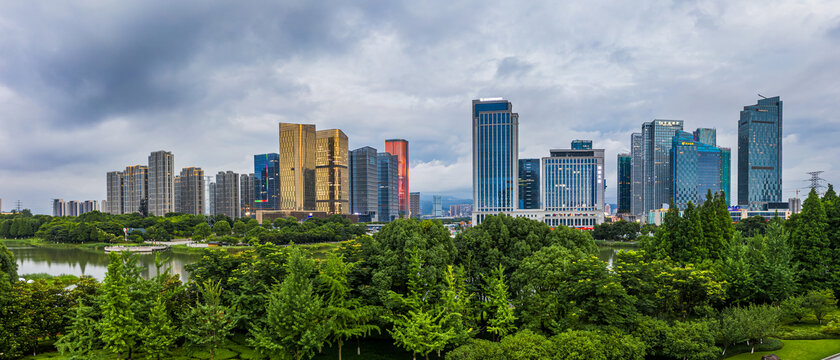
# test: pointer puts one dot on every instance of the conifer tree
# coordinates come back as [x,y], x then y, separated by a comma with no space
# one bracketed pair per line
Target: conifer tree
[455,300]
[81,337]
[118,328]
[811,248]
[209,323]
[501,319]
[158,334]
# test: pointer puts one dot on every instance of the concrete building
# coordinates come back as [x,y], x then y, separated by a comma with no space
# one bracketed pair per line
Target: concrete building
[59,208]
[760,154]
[297,166]
[495,160]
[135,188]
[247,191]
[114,193]
[227,194]
[388,202]
[460,210]
[88,206]
[364,183]
[399,147]
[211,201]
[416,210]
[191,191]
[637,187]
[72,208]
[573,187]
[332,174]
[161,183]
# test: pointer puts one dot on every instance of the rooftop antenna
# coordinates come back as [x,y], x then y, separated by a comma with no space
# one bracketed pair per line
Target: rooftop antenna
[816,181]
[762,96]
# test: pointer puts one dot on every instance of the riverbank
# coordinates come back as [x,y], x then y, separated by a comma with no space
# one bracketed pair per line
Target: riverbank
[37,242]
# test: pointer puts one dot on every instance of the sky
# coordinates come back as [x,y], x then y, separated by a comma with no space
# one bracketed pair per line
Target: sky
[88,87]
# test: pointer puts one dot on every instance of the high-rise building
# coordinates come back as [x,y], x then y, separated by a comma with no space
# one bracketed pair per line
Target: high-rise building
[625,183]
[246,195]
[72,208]
[706,136]
[227,194]
[364,183]
[581,144]
[191,191]
[59,208]
[399,147]
[331,172]
[695,170]
[529,183]
[211,201]
[88,206]
[176,181]
[297,166]
[103,205]
[416,211]
[726,174]
[114,193]
[460,210]
[267,181]
[795,205]
[657,139]
[637,187]
[388,202]
[437,206]
[135,188]
[760,154]
[161,183]
[573,183]
[495,149]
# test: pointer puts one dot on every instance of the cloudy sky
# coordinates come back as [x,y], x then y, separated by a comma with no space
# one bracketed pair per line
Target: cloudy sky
[88,87]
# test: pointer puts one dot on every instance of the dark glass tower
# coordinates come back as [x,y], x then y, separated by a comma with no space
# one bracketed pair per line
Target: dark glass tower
[624,183]
[657,137]
[760,154]
[581,144]
[388,194]
[364,183]
[529,183]
[267,181]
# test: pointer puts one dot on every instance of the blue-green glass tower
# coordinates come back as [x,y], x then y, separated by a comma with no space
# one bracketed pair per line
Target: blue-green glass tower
[495,135]
[529,183]
[696,170]
[581,144]
[267,181]
[726,173]
[624,183]
[760,154]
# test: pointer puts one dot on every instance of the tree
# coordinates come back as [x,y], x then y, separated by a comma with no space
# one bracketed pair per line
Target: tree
[500,317]
[690,341]
[209,323]
[297,321]
[759,321]
[239,228]
[752,226]
[811,249]
[8,265]
[221,228]
[118,328]
[731,328]
[455,300]
[350,319]
[201,231]
[158,334]
[81,337]
[820,302]
[159,233]
[794,308]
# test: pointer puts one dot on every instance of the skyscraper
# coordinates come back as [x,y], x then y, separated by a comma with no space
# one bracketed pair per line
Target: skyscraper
[573,183]
[267,181]
[72,208]
[495,162]
[176,181]
[760,154]
[637,187]
[364,183]
[161,183]
[297,166]
[726,174]
[437,206]
[657,139]
[331,172]
[529,183]
[706,136]
[59,207]
[135,188]
[388,202]
[191,191]
[211,201]
[581,144]
[246,195]
[114,193]
[695,168]
[88,206]
[399,147]
[625,183]
[416,212]
[227,194]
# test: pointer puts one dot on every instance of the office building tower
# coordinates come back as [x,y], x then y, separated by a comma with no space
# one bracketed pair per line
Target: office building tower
[211,201]
[227,194]
[495,149]
[114,193]
[297,167]
[267,181]
[414,201]
[726,174]
[529,183]
[695,170]
[399,147]
[706,136]
[59,207]
[388,201]
[364,183]
[332,172]
[637,187]
[190,191]
[135,188]
[581,144]
[437,206]
[573,184]
[657,139]
[247,191]
[161,183]
[625,183]
[760,154]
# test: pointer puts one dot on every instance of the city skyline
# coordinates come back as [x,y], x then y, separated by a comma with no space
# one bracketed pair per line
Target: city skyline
[394,73]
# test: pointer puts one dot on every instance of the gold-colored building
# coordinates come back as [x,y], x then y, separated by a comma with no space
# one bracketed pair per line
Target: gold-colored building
[332,172]
[297,166]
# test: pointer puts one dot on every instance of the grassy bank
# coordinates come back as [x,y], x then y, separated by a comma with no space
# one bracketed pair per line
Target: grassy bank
[37,242]
[798,349]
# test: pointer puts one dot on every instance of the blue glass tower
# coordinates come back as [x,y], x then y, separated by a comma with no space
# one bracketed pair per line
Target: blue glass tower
[364,183]
[706,136]
[388,204]
[581,144]
[529,183]
[495,135]
[760,154]
[267,181]
[657,139]
[726,173]
[625,183]
[695,170]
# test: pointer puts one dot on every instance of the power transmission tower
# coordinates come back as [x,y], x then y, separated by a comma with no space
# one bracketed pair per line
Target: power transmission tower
[816,181]
[18,206]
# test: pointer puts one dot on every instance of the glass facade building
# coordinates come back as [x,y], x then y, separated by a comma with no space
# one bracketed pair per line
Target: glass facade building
[625,183]
[657,139]
[529,183]
[364,183]
[573,184]
[726,174]
[695,170]
[706,136]
[760,154]
[297,167]
[332,172]
[388,202]
[495,142]
[266,181]
[637,175]
[581,144]
[437,206]
[399,147]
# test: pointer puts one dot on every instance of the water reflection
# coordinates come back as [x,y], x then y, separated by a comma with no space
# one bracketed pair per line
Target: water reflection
[607,254]
[91,262]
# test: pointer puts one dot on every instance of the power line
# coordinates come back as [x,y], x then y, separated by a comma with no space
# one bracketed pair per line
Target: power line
[816,181]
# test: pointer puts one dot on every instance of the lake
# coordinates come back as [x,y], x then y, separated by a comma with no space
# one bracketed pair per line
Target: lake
[84,261]
[607,254]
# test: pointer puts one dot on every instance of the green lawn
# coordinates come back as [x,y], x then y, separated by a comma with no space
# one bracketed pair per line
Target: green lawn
[798,350]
